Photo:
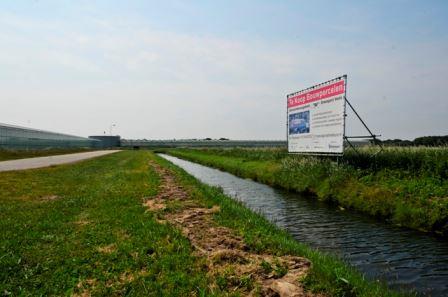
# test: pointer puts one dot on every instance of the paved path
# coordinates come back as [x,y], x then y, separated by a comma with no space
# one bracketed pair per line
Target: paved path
[30,163]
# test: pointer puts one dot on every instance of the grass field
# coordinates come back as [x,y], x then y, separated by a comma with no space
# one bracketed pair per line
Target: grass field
[90,234]
[21,154]
[406,186]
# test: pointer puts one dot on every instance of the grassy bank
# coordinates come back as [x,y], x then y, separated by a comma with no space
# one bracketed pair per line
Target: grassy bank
[328,274]
[21,154]
[90,234]
[408,187]
[82,229]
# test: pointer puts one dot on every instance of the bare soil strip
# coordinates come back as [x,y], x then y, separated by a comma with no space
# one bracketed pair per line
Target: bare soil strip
[232,266]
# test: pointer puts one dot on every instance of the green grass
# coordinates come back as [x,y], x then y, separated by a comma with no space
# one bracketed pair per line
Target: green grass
[416,161]
[395,189]
[6,154]
[81,227]
[328,273]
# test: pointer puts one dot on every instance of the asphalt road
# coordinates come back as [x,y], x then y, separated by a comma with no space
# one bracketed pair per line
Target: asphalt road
[39,162]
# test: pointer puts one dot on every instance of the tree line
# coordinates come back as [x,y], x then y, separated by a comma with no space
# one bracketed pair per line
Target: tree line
[425,140]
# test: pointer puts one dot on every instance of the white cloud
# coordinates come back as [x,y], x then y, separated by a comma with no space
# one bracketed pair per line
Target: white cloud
[158,84]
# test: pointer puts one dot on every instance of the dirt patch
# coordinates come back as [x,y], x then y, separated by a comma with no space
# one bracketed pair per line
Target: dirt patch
[168,191]
[49,198]
[122,235]
[229,261]
[82,222]
[82,219]
[86,286]
[85,293]
[127,277]
[108,249]
[154,204]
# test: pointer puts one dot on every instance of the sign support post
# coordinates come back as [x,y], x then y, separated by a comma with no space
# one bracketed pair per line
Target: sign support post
[371,136]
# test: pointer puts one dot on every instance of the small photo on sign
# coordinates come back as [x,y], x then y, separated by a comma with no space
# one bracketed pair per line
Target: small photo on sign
[299,123]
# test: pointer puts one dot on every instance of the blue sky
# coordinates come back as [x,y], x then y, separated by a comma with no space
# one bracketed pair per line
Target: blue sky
[193,69]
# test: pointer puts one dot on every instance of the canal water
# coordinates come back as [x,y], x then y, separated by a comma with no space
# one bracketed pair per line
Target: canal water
[404,259]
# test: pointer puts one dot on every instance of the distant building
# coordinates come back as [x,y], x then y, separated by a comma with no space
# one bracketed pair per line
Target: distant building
[17,137]
[107,140]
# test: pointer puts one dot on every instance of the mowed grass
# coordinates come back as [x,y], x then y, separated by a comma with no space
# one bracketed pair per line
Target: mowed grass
[6,154]
[408,187]
[82,229]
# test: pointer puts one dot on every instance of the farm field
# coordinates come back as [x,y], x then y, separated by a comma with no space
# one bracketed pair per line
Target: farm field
[132,223]
[404,186]
[22,154]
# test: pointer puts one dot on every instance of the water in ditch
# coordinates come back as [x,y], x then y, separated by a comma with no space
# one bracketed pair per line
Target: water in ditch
[404,259]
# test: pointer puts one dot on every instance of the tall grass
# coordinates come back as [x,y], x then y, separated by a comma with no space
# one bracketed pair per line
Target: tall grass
[404,186]
[431,161]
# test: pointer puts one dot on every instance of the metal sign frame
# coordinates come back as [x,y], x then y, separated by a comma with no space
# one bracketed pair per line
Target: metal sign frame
[346,139]
[373,137]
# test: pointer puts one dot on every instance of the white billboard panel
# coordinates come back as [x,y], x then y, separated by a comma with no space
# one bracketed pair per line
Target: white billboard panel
[316,118]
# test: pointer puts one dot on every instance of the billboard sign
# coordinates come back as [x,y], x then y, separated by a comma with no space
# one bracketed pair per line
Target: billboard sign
[316,118]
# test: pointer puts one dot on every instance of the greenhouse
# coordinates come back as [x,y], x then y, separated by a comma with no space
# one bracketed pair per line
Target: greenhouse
[16,137]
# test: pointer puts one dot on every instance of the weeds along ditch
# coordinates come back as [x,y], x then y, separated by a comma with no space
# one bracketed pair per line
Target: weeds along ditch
[404,186]
[417,161]
[329,274]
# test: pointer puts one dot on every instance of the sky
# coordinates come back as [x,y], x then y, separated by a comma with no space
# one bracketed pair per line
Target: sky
[196,69]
